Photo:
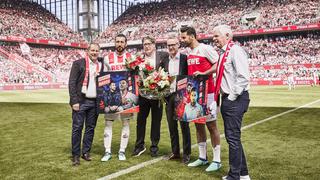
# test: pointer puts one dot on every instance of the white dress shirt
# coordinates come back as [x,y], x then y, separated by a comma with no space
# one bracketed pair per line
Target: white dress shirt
[174,64]
[91,91]
[236,74]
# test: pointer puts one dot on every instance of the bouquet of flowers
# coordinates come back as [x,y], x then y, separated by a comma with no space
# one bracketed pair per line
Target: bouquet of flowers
[155,84]
[134,62]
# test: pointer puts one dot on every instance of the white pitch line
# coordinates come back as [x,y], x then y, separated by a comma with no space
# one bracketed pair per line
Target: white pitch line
[153,161]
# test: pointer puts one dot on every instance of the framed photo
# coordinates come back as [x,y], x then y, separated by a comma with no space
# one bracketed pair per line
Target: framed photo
[117,92]
[191,99]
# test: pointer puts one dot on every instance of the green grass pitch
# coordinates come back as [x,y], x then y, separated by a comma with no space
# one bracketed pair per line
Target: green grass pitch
[35,140]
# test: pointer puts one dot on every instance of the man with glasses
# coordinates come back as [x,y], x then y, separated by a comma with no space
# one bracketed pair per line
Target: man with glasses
[176,64]
[154,58]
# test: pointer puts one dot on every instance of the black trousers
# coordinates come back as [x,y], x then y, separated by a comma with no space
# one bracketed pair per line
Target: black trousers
[173,129]
[156,115]
[232,114]
[86,115]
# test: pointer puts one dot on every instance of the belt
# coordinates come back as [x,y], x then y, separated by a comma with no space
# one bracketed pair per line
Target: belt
[91,99]
[224,95]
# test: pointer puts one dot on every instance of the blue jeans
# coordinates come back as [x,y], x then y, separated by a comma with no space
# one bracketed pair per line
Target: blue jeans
[232,114]
[86,115]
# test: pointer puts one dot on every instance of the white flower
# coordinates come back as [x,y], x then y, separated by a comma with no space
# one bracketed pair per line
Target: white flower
[162,84]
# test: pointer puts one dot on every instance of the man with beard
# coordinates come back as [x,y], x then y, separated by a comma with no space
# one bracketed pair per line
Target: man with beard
[201,61]
[113,99]
[115,61]
[83,93]
[193,109]
[128,99]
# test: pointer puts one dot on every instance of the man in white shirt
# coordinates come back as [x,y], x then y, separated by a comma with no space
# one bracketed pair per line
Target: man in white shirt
[83,93]
[176,64]
[235,98]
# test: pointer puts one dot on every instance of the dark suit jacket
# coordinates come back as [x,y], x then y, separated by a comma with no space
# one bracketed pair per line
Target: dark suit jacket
[160,57]
[183,66]
[76,78]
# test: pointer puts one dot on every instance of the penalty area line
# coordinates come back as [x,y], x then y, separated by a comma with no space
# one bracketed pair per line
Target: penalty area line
[153,161]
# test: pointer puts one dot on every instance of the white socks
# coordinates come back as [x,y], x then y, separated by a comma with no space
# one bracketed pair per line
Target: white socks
[108,136]
[124,135]
[216,153]
[202,150]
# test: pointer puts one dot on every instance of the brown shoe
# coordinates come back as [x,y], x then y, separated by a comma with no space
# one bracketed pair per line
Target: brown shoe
[186,159]
[86,157]
[75,160]
[172,156]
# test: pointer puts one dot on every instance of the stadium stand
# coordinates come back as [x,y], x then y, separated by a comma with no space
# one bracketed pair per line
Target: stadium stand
[270,55]
[12,73]
[30,20]
[159,18]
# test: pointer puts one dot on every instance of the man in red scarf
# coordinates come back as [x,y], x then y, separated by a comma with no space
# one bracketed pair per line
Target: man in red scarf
[233,82]
[83,93]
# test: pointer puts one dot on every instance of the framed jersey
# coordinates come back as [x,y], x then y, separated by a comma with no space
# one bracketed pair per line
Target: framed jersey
[117,92]
[191,98]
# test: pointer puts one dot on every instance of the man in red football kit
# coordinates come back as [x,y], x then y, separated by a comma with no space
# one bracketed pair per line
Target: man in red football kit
[202,61]
[115,61]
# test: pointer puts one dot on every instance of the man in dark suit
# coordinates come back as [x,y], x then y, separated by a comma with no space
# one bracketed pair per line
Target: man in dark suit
[176,64]
[153,58]
[83,93]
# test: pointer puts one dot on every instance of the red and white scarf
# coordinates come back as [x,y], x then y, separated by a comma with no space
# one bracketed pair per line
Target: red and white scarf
[221,69]
[86,76]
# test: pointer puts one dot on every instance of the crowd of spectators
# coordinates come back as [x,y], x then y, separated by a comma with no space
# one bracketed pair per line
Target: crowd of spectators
[301,72]
[30,20]
[11,73]
[55,60]
[160,18]
[285,51]
[292,49]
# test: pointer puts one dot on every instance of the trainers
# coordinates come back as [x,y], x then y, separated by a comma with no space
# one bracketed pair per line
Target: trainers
[213,166]
[106,157]
[247,177]
[138,152]
[122,156]
[198,162]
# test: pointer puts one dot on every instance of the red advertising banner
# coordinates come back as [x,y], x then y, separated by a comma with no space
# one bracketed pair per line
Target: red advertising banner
[315,26]
[298,81]
[278,66]
[250,32]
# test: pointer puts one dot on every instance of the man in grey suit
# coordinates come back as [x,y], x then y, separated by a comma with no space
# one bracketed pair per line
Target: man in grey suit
[154,58]
[176,64]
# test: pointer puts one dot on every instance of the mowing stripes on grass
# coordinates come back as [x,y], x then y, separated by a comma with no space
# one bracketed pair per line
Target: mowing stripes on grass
[150,162]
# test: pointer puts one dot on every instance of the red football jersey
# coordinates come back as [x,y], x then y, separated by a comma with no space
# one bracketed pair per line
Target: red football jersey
[201,59]
[116,62]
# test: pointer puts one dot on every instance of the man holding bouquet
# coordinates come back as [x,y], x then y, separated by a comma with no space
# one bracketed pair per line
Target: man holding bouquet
[152,58]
